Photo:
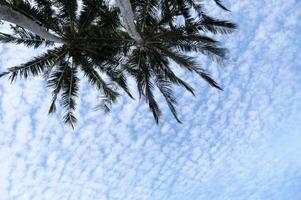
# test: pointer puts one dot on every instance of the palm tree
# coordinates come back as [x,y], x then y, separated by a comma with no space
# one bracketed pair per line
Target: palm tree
[96,43]
[165,40]
[90,43]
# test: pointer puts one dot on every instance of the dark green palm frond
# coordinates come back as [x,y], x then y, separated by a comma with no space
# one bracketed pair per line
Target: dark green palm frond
[69,93]
[108,63]
[149,96]
[172,77]
[219,3]
[107,15]
[165,88]
[26,9]
[188,18]
[181,60]
[206,77]
[87,14]
[45,6]
[211,50]
[187,9]
[207,23]
[4,74]
[140,67]
[30,41]
[119,78]
[189,64]
[204,24]
[153,105]
[22,36]
[55,82]
[176,80]
[101,40]
[64,79]
[180,35]
[190,43]
[215,53]
[168,14]
[104,59]
[134,68]
[95,79]
[37,65]
[183,8]
[196,6]
[67,11]
[146,12]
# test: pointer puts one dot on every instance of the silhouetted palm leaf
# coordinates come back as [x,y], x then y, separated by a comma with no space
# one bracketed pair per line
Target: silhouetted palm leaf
[219,3]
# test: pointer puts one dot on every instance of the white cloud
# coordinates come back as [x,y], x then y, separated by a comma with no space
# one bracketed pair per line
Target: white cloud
[242,143]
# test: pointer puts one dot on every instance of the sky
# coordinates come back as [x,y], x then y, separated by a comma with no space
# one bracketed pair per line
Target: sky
[240,144]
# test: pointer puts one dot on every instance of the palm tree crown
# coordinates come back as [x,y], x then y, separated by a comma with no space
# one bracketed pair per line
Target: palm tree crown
[95,42]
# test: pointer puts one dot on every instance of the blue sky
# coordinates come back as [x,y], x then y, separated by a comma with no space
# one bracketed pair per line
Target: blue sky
[240,144]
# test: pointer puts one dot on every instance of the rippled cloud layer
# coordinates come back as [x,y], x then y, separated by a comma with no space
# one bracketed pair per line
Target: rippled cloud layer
[240,144]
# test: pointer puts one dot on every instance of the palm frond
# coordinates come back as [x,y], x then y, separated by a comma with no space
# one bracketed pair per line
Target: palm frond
[67,11]
[55,82]
[87,15]
[146,13]
[207,23]
[26,38]
[189,64]
[120,79]
[36,66]
[139,66]
[45,6]
[219,3]
[69,93]
[153,105]
[206,77]
[168,74]
[95,79]
[165,88]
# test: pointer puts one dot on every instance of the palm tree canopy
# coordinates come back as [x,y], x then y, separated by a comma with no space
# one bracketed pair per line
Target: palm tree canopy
[97,44]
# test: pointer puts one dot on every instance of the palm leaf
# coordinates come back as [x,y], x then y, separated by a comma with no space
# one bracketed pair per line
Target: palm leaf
[153,105]
[189,64]
[165,88]
[87,15]
[207,23]
[69,93]
[26,38]
[67,11]
[146,13]
[55,81]
[37,65]
[95,79]
[120,79]
[168,74]
[219,3]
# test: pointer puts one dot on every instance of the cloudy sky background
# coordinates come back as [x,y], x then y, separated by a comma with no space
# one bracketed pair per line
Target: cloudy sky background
[240,144]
